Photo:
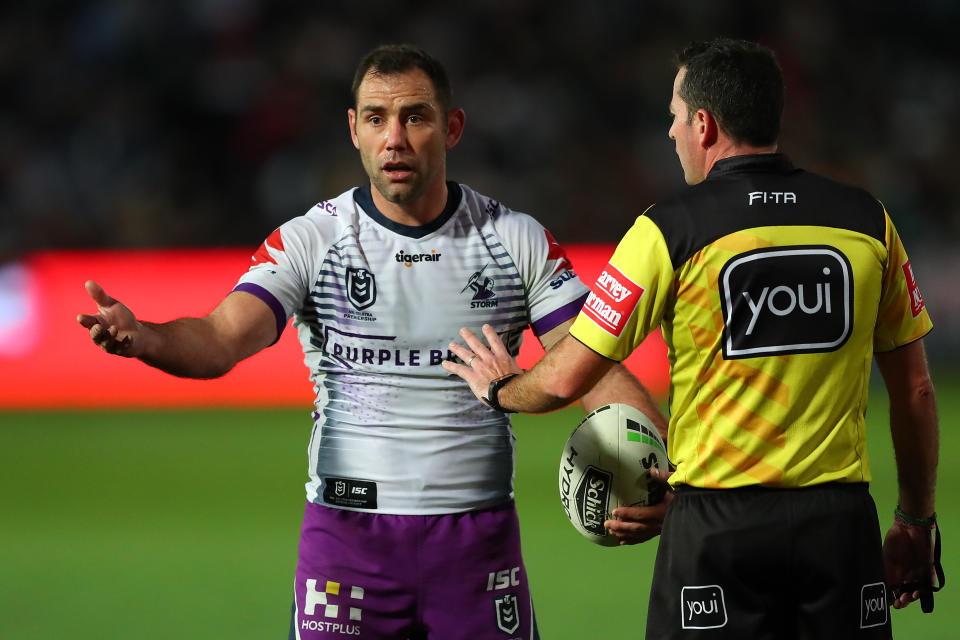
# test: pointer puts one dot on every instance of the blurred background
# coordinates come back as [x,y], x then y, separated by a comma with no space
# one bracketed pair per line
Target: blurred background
[130,128]
[190,123]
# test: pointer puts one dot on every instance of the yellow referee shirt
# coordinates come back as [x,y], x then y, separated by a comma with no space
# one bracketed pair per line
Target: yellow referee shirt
[773,287]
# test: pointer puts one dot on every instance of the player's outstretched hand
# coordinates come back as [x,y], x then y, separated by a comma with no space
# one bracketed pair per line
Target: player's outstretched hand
[483,365]
[639,524]
[113,328]
[908,560]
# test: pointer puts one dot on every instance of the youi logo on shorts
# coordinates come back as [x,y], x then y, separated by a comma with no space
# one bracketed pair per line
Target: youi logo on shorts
[873,605]
[612,300]
[783,300]
[703,607]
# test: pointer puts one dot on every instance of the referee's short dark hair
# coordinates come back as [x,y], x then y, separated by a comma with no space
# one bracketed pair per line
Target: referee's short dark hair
[390,59]
[739,83]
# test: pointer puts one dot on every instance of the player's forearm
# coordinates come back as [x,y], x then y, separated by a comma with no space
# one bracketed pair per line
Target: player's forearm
[619,385]
[915,431]
[566,373]
[187,347]
[526,394]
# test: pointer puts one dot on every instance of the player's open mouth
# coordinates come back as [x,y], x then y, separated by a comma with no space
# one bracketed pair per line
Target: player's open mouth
[397,170]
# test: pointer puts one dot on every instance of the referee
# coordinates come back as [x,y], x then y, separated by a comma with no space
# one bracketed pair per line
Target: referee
[774,288]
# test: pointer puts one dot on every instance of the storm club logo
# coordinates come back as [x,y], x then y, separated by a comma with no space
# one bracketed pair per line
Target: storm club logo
[482,287]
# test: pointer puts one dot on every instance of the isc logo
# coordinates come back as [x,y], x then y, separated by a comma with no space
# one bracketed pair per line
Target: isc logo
[785,300]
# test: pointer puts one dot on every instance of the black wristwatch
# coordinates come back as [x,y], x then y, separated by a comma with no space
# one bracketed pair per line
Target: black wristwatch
[494,389]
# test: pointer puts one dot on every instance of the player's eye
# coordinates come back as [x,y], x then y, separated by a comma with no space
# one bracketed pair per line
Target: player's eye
[375,120]
[415,119]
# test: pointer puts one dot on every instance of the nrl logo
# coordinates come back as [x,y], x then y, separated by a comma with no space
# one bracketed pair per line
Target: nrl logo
[508,614]
[361,288]
[340,487]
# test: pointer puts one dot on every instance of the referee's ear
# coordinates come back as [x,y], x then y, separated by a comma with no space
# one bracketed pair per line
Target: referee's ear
[707,128]
[456,120]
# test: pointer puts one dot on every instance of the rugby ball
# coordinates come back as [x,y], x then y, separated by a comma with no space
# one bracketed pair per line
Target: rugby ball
[606,464]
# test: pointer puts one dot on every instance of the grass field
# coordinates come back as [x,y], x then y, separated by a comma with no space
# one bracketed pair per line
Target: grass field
[184,524]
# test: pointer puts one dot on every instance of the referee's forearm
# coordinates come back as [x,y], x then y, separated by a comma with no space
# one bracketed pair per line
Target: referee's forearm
[916,441]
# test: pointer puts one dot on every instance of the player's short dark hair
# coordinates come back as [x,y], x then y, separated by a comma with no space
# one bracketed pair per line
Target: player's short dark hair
[739,83]
[390,59]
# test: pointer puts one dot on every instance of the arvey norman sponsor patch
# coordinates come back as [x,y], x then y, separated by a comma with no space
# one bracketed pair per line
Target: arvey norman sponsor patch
[612,299]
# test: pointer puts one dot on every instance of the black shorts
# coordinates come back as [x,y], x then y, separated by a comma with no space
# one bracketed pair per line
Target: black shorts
[777,564]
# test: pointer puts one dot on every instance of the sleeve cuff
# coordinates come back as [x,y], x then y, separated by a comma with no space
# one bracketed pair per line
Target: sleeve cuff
[278,313]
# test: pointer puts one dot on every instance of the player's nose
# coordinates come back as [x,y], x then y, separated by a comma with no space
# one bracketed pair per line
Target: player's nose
[396,134]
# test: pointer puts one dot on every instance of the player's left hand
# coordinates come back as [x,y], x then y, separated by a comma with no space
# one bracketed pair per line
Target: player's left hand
[908,557]
[483,365]
[639,524]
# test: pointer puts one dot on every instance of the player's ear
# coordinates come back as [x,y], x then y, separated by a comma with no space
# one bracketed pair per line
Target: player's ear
[456,120]
[352,120]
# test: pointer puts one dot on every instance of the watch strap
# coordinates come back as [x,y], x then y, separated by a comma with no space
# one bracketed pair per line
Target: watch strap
[494,389]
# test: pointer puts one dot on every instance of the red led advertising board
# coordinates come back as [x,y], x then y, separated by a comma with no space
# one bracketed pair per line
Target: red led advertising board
[48,361]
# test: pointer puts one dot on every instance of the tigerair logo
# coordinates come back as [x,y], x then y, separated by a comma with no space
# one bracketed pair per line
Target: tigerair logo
[408,259]
[338,610]
[783,300]
[612,300]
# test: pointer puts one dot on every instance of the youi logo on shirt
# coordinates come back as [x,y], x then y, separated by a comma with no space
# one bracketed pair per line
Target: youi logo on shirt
[783,300]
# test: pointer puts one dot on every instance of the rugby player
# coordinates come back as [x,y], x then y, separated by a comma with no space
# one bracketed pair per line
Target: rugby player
[410,529]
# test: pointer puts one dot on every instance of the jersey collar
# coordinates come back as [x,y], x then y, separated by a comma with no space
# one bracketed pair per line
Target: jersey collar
[362,197]
[760,162]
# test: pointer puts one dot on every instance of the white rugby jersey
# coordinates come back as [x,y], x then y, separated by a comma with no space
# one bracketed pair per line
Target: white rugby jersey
[375,304]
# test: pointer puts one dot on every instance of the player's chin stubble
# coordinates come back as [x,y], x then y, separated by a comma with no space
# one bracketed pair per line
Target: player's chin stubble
[398,192]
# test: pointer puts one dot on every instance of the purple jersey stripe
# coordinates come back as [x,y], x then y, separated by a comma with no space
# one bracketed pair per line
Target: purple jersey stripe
[272,302]
[558,316]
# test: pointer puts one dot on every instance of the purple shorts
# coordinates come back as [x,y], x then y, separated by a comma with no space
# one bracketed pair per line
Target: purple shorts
[387,577]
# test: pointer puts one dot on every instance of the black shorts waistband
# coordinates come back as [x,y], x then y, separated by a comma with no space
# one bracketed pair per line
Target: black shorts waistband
[852,487]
